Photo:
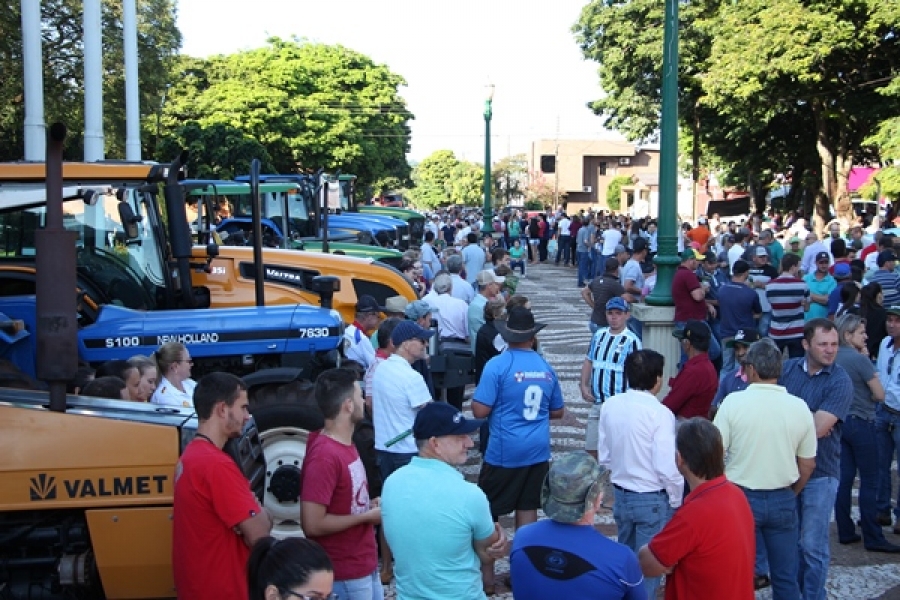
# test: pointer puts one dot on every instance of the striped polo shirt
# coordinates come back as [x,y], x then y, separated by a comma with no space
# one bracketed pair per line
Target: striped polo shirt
[890,285]
[786,294]
[607,354]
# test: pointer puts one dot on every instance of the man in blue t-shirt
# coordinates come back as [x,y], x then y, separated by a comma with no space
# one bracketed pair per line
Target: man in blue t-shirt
[739,308]
[519,393]
[564,556]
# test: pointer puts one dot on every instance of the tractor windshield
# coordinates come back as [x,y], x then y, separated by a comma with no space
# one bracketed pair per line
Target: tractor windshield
[124,267]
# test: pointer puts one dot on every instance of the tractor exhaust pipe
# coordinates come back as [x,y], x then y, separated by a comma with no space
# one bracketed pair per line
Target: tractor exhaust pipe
[57,326]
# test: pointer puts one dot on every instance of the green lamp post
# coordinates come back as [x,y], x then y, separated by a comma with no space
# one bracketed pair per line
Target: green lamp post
[488,206]
[667,260]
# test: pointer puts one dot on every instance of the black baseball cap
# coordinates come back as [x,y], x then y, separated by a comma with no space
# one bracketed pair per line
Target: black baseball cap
[744,337]
[693,331]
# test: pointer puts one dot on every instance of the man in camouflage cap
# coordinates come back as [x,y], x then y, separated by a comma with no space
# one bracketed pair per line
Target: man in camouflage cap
[564,556]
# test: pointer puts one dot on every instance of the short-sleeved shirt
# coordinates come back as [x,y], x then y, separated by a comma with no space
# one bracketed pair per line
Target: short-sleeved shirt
[473,257]
[475,317]
[607,354]
[764,429]
[764,274]
[212,497]
[786,295]
[333,475]
[889,372]
[359,346]
[829,390]
[861,371]
[731,381]
[686,308]
[737,305]
[167,394]
[632,270]
[604,287]
[701,235]
[693,389]
[398,391]
[559,560]
[583,238]
[890,285]
[820,287]
[521,388]
[710,541]
[431,535]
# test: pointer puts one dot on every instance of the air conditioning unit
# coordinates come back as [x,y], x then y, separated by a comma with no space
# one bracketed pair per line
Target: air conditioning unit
[624,161]
[587,189]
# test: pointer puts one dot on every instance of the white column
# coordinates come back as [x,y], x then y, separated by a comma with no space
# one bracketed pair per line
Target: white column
[35,133]
[93,81]
[132,99]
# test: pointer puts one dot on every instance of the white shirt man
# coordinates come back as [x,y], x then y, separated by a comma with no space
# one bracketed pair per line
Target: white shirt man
[452,314]
[612,237]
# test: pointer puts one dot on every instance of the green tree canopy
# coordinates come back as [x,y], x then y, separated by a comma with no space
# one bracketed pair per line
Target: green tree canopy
[509,174]
[431,180]
[63,61]
[310,105]
[763,83]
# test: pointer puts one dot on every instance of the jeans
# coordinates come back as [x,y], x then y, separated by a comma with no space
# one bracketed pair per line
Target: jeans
[859,451]
[727,357]
[364,588]
[715,348]
[816,502]
[584,268]
[638,518]
[388,462]
[565,248]
[597,265]
[517,263]
[887,432]
[777,533]
[765,319]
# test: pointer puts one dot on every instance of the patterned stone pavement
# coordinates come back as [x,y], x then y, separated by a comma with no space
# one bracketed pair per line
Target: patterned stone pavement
[854,574]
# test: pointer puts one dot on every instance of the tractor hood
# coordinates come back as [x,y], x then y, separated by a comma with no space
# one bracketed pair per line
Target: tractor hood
[120,333]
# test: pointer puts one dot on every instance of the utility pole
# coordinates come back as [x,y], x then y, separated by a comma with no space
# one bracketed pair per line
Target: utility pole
[556,169]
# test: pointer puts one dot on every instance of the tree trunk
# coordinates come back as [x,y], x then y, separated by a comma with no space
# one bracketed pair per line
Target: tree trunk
[836,162]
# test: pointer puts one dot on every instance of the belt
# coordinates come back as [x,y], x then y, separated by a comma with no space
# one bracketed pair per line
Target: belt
[892,411]
[621,489]
[453,339]
[861,418]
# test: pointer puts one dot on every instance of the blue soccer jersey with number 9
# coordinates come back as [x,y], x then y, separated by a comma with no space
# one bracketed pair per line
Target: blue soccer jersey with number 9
[521,388]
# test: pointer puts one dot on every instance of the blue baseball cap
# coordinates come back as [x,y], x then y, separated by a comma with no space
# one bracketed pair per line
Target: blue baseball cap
[617,303]
[409,330]
[437,419]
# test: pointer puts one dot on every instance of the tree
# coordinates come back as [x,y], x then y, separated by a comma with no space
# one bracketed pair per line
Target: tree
[216,152]
[539,191]
[466,184]
[509,176]
[763,84]
[614,191]
[431,180]
[310,105]
[63,61]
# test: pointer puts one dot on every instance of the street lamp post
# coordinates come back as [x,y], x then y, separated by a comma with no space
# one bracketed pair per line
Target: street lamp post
[488,208]
[667,259]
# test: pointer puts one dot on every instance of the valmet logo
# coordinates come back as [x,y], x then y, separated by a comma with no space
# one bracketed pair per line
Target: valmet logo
[44,487]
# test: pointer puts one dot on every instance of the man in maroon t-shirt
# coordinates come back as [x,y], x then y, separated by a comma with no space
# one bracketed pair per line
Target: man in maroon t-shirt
[688,293]
[216,516]
[707,548]
[334,499]
[691,391]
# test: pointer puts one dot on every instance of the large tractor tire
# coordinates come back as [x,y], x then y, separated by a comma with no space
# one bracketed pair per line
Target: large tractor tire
[285,412]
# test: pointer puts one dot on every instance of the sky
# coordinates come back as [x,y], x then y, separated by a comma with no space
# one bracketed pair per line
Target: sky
[448,53]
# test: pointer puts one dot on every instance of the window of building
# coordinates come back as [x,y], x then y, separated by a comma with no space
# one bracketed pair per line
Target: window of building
[548,163]
[601,169]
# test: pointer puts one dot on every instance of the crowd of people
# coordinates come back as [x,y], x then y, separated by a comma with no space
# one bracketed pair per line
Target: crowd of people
[786,391]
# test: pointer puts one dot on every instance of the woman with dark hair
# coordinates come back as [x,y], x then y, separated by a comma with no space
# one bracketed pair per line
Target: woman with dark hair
[488,342]
[871,299]
[289,569]
[849,296]
[534,238]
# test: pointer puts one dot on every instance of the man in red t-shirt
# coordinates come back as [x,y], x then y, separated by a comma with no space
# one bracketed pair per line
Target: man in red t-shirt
[708,548]
[334,499]
[216,516]
[688,294]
